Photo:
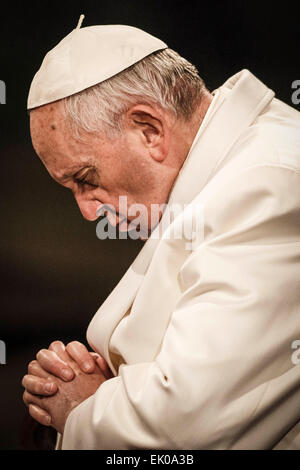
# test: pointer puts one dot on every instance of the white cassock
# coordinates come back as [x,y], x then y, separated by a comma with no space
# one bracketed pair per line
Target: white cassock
[202,337]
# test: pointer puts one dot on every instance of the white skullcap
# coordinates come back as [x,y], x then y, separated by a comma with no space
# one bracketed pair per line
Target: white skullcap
[86,57]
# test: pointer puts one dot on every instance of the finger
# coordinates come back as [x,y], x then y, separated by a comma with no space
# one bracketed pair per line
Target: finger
[94,355]
[39,415]
[60,350]
[102,364]
[39,386]
[81,355]
[104,367]
[50,361]
[30,399]
[35,369]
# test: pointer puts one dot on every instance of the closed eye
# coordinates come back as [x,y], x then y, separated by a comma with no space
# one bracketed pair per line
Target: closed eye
[87,176]
[84,182]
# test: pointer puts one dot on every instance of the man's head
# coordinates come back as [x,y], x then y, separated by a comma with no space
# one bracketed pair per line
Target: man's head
[127,136]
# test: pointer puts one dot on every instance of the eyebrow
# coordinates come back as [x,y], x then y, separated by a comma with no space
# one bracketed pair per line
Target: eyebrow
[83,172]
[75,173]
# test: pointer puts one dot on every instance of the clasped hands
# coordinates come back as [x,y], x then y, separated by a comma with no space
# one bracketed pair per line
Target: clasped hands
[61,378]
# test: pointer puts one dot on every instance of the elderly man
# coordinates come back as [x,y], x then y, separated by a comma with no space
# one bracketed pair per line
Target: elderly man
[195,347]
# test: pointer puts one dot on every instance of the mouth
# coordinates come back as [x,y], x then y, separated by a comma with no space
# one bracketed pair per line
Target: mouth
[121,222]
[115,218]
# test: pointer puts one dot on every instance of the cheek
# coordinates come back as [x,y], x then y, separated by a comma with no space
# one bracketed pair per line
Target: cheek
[125,170]
[137,167]
[122,171]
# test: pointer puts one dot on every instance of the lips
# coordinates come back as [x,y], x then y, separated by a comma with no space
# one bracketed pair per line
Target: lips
[119,221]
[115,219]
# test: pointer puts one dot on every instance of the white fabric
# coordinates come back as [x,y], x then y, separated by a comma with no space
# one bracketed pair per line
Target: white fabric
[200,340]
[88,56]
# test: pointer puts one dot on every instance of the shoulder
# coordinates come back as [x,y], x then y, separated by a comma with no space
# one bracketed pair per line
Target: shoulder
[273,138]
[264,194]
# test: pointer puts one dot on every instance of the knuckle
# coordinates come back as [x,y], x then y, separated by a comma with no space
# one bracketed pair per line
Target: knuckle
[24,380]
[33,412]
[56,366]
[41,353]
[38,388]
[25,397]
[72,344]
[32,365]
[55,343]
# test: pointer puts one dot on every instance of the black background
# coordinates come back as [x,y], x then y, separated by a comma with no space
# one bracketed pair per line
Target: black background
[54,271]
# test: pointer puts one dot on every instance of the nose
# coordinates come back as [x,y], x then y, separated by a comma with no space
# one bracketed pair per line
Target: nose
[88,207]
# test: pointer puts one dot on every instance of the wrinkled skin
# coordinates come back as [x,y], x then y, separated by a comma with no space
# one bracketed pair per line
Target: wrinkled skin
[52,405]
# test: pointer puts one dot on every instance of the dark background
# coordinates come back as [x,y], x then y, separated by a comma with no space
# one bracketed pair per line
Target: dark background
[54,271]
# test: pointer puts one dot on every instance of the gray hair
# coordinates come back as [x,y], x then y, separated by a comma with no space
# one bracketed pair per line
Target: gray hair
[163,78]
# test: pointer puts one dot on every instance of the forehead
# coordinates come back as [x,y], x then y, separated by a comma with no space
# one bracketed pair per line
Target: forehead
[53,142]
[45,119]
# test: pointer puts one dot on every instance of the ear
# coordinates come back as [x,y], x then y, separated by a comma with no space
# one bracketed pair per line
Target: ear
[152,127]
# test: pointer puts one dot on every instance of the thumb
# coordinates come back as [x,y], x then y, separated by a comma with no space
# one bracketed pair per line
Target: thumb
[102,364]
